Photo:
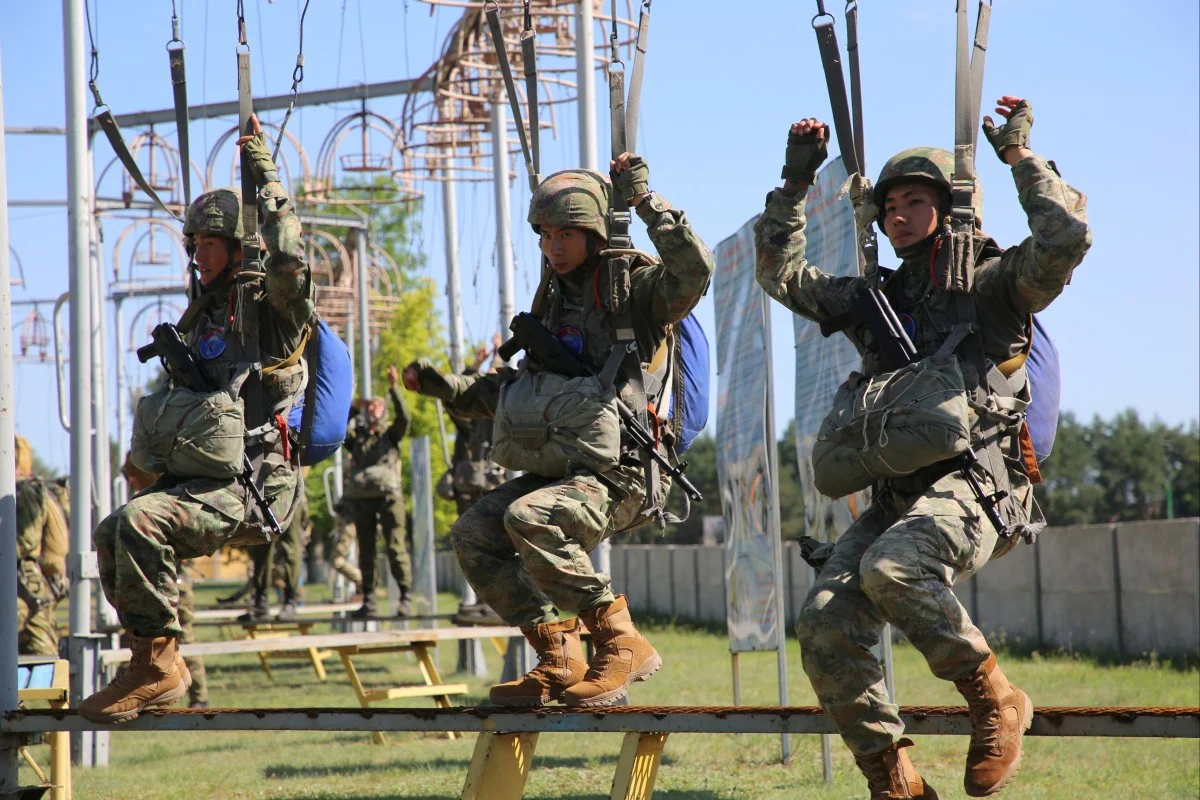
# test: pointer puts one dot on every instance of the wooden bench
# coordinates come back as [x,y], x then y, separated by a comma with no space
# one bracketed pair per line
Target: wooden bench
[421,642]
[46,678]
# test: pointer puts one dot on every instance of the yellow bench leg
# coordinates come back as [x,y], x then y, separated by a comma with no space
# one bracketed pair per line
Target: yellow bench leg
[637,766]
[356,683]
[499,766]
[429,672]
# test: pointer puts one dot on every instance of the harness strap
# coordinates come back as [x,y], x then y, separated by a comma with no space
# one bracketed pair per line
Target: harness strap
[175,49]
[831,63]
[529,59]
[633,106]
[492,12]
[112,132]
[855,83]
[250,250]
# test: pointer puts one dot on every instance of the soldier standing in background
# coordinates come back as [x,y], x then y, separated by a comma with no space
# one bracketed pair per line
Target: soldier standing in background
[374,494]
[42,543]
[278,563]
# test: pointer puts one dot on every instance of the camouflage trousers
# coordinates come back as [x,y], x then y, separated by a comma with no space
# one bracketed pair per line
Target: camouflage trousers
[345,535]
[198,691]
[277,564]
[387,513]
[895,565]
[37,631]
[138,545]
[524,546]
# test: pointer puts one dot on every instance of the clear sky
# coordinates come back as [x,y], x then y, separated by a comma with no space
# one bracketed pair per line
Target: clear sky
[1115,96]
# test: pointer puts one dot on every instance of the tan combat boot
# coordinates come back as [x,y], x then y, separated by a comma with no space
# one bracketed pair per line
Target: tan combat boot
[892,776]
[560,665]
[1000,715]
[150,680]
[622,656]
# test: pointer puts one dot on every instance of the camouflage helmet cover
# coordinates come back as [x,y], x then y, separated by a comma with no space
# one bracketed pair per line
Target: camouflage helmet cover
[217,213]
[573,198]
[929,165]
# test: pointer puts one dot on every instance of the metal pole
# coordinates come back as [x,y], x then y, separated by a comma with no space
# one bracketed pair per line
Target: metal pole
[504,254]
[776,525]
[364,319]
[119,361]
[82,563]
[8,493]
[586,77]
[453,287]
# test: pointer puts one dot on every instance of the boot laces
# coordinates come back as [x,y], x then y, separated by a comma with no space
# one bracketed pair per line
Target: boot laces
[985,714]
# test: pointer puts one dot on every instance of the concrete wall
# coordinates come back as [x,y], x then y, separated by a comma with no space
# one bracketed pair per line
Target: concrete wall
[1129,588]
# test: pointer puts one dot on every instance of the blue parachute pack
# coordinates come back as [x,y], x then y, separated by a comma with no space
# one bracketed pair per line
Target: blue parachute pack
[1045,387]
[321,414]
[691,382]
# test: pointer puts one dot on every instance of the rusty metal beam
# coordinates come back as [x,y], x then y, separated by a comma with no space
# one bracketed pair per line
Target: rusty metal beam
[1123,722]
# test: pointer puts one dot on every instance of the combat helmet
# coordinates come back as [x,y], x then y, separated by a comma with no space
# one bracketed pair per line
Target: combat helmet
[217,213]
[573,198]
[929,165]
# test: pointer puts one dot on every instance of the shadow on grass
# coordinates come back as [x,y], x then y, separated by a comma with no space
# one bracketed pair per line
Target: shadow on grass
[669,794]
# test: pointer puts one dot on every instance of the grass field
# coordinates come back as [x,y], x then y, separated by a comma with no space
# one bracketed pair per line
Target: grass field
[695,767]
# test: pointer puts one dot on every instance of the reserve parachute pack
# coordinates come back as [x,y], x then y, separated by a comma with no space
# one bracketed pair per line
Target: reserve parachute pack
[688,410]
[1045,390]
[320,416]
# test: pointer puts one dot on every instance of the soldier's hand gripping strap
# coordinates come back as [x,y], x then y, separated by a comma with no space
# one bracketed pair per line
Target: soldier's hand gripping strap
[804,155]
[1013,133]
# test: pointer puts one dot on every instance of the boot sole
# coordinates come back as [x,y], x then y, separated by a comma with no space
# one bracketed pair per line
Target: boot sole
[650,666]
[1026,722]
[163,701]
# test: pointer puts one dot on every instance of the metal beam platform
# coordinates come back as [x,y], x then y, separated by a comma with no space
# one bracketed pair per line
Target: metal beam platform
[1175,723]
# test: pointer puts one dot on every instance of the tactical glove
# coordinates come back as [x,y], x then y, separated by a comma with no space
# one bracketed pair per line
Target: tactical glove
[1013,132]
[259,157]
[805,154]
[634,181]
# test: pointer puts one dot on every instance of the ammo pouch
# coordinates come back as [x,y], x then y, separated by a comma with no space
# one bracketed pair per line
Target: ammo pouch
[377,480]
[190,434]
[891,425]
[551,425]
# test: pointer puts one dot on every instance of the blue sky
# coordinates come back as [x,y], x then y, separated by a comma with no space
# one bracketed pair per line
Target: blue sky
[1115,100]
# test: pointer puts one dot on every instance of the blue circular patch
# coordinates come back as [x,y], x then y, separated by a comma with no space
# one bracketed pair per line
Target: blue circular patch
[212,344]
[572,339]
[910,326]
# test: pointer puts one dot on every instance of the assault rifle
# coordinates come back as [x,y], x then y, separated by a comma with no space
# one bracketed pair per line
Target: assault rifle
[544,347]
[872,309]
[183,368]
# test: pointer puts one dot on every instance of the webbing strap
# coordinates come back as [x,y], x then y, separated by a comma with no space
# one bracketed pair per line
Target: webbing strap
[492,12]
[855,84]
[175,49]
[633,106]
[831,63]
[112,132]
[250,251]
[978,56]
[619,211]
[529,57]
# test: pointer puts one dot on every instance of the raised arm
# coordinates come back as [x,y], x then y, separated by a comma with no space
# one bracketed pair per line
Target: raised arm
[288,280]
[401,418]
[779,242]
[472,396]
[687,263]
[1039,267]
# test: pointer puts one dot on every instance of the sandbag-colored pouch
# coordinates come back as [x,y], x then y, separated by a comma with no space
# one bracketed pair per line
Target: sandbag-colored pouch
[551,425]
[891,425]
[189,434]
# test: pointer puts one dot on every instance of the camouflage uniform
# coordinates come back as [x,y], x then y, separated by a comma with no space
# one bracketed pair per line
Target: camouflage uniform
[472,473]
[345,535]
[922,533]
[198,690]
[179,518]
[524,545]
[289,551]
[42,542]
[374,494]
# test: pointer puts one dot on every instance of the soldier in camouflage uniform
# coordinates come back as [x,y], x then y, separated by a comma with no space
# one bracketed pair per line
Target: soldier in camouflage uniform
[237,322]
[42,543]
[524,546]
[344,535]
[278,564]
[374,494]
[138,481]
[924,532]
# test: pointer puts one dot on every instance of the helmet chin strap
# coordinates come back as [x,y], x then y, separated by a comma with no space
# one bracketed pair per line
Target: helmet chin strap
[917,248]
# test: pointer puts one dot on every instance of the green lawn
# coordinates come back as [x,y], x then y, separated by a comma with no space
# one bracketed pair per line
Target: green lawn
[696,767]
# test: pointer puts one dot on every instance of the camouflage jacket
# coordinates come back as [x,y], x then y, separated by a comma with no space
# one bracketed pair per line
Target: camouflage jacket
[374,453]
[42,535]
[1009,285]
[661,294]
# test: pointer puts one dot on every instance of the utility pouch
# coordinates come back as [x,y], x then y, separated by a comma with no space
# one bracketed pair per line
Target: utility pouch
[891,425]
[551,425]
[190,434]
